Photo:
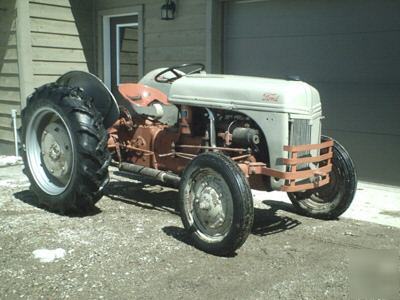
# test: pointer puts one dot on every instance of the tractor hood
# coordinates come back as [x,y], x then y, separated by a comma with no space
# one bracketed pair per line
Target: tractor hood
[246,93]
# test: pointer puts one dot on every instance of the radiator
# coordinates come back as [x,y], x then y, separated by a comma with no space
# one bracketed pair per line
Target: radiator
[300,132]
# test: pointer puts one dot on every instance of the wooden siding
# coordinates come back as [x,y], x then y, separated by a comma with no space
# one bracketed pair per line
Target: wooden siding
[9,81]
[63,35]
[168,42]
[62,38]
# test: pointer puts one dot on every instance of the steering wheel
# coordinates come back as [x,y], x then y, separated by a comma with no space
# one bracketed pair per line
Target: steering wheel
[174,69]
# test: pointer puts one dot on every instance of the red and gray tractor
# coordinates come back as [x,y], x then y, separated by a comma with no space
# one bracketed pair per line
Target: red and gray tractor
[214,137]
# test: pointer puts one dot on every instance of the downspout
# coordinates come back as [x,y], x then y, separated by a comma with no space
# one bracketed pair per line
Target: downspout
[14,121]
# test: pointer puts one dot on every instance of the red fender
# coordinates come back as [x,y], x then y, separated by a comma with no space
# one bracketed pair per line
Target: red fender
[141,95]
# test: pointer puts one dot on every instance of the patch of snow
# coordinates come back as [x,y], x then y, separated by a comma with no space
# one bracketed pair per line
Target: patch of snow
[9,183]
[377,204]
[46,255]
[373,203]
[6,161]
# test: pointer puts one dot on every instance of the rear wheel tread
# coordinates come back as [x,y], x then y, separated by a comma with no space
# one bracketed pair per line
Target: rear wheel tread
[93,157]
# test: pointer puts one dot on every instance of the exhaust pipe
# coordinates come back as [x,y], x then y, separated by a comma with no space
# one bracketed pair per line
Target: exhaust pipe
[165,177]
[213,139]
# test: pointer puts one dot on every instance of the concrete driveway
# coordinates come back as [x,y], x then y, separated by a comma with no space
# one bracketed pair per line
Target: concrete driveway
[134,247]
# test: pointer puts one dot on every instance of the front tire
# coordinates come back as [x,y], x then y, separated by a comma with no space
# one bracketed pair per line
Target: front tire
[332,200]
[64,149]
[216,203]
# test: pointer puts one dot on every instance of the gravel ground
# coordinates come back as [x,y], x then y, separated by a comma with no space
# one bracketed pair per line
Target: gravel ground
[134,246]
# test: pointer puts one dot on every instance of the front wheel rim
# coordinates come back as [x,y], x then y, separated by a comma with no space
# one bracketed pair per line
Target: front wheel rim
[49,151]
[327,195]
[209,205]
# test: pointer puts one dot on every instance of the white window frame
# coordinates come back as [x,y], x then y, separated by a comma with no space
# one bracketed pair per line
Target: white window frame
[104,43]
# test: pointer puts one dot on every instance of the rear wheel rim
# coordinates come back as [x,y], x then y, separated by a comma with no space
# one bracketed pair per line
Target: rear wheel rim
[49,150]
[209,205]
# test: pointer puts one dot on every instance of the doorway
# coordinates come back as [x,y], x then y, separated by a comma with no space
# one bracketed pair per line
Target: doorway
[122,49]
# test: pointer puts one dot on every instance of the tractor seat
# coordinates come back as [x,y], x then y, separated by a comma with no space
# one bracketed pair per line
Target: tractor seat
[148,101]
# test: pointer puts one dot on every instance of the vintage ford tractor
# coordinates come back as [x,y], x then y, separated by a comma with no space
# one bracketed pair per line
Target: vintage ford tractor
[213,136]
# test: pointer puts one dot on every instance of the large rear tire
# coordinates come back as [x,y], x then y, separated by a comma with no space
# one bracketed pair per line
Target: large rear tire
[64,149]
[333,199]
[216,204]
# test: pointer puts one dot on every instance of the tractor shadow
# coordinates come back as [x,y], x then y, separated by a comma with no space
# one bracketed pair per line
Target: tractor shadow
[28,197]
[144,193]
[266,222]
[270,221]
[148,194]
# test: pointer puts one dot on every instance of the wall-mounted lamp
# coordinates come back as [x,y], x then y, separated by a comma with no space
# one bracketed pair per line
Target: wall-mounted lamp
[168,10]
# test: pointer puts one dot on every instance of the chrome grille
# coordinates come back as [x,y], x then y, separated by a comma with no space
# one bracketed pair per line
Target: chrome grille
[300,133]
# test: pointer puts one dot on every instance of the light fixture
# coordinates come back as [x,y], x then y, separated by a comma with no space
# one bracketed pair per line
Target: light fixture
[168,10]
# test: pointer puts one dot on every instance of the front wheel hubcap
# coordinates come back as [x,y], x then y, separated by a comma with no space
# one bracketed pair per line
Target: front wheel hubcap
[210,205]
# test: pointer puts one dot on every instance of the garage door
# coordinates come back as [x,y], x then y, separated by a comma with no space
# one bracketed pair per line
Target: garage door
[348,50]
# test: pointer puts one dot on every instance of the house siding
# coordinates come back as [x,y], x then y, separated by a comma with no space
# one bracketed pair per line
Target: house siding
[62,38]
[9,75]
[168,42]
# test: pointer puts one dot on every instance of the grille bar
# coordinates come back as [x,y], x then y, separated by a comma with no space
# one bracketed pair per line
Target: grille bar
[300,132]
[301,135]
